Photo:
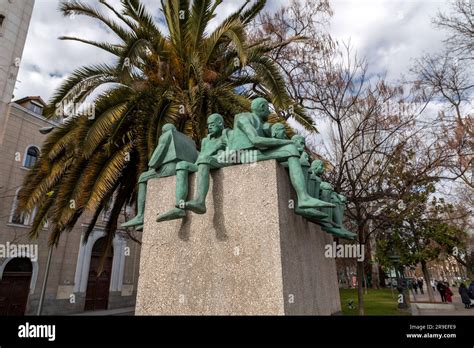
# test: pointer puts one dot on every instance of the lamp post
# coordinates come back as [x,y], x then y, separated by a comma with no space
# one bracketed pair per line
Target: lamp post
[395,259]
[45,130]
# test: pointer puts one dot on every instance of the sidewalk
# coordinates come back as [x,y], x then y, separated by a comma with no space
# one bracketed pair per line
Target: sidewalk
[438,308]
[110,312]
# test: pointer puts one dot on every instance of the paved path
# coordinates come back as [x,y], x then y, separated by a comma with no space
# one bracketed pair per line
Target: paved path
[447,310]
[115,312]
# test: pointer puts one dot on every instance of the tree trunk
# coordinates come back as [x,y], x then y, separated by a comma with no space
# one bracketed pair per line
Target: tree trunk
[426,275]
[348,278]
[375,276]
[382,277]
[360,294]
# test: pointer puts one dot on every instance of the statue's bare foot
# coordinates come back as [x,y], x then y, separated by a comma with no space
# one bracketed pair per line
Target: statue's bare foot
[335,231]
[136,221]
[196,206]
[312,213]
[311,202]
[172,214]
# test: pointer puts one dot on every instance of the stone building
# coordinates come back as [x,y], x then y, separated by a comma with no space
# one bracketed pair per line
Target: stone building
[72,284]
[14,22]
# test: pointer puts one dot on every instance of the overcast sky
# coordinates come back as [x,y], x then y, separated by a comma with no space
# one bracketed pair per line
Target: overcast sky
[389,33]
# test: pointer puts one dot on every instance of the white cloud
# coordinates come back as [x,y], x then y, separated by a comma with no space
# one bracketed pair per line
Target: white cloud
[388,32]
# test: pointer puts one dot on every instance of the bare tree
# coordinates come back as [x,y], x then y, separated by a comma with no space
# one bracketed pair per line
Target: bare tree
[460,25]
[444,80]
[369,128]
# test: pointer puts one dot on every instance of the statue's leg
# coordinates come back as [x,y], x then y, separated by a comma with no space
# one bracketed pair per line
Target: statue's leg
[141,198]
[181,187]
[198,205]
[181,193]
[290,154]
[299,184]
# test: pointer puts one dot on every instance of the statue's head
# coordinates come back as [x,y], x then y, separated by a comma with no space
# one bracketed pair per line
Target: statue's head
[317,167]
[260,108]
[167,127]
[343,199]
[335,197]
[215,124]
[299,141]
[278,131]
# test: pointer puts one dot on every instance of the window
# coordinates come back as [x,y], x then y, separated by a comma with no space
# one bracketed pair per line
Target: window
[32,155]
[15,217]
[35,108]
[2,25]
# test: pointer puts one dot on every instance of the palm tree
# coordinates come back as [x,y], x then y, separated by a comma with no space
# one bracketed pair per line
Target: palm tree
[180,77]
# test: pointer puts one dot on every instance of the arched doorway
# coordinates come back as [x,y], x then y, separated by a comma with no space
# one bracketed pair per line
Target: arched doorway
[15,286]
[97,293]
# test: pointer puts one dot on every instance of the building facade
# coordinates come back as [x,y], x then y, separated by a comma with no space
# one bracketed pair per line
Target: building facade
[73,285]
[15,18]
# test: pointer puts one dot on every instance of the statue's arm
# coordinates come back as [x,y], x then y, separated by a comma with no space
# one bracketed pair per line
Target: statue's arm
[160,151]
[257,140]
[267,129]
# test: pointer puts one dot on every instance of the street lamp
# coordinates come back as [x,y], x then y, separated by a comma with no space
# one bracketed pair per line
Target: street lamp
[395,259]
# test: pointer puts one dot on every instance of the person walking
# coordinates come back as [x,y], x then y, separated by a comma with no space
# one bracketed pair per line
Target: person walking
[420,285]
[448,293]
[471,290]
[415,285]
[433,284]
[441,289]
[464,292]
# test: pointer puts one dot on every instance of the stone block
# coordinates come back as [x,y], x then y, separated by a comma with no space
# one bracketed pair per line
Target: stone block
[248,255]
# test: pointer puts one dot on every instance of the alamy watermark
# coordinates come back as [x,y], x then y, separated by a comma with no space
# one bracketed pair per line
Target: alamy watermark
[350,251]
[235,157]
[10,250]
[37,331]
[67,109]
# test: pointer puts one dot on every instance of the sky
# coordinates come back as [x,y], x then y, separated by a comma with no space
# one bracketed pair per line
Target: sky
[389,33]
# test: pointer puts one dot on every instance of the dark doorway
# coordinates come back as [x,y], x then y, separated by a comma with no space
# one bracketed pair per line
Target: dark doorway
[97,293]
[15,286]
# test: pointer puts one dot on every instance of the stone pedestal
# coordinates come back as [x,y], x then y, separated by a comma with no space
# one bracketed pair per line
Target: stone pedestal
[248,255]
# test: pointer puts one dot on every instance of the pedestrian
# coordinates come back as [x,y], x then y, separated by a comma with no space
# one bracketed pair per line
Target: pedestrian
[464,295]
[471,290]
[448,293]
[420,285]
[441,289]
[415,286]
[433,284]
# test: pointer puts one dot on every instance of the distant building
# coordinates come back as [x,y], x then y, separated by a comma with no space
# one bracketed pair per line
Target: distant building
[72,285]
[14,22]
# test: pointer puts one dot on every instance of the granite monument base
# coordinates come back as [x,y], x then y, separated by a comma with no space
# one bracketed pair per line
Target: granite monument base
[250,254]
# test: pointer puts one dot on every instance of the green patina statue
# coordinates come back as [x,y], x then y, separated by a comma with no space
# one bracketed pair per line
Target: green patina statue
[335,224]
[248,135]
[211,147]
[311,214]
[252,139]
[338,216]
[278,131]
[314,181]
[173,147]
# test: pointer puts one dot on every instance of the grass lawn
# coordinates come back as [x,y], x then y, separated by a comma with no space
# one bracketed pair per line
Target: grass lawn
[377,302]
